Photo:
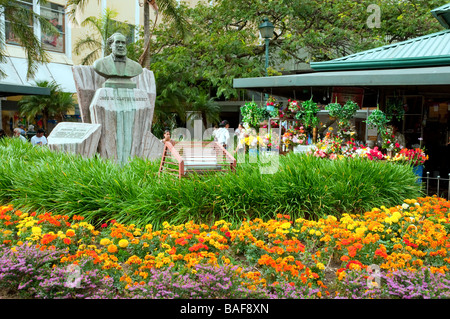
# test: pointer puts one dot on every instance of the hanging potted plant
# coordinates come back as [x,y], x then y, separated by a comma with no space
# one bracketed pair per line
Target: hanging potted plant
[308,116]
[253,114]
[343,114]
[378,119]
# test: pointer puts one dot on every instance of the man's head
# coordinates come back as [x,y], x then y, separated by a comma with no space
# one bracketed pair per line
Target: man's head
[16,131]
[40,132]
[118,44]
[225,124]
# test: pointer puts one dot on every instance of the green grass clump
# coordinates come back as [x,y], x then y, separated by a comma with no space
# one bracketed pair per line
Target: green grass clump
[35,178]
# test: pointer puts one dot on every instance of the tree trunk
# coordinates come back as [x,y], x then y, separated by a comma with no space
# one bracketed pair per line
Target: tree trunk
[45,121]
[144,59]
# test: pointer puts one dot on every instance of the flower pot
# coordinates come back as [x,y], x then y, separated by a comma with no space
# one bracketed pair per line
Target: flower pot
[418,170]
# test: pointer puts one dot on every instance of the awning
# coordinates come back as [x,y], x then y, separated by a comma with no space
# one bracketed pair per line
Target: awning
[16,71]
[11,89]
[429,76]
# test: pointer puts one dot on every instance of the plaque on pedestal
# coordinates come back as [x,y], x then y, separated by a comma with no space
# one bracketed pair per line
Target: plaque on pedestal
[74,137]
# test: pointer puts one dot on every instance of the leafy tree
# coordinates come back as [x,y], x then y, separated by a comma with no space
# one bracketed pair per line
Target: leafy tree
[103,26]
[223,41]
[57,103]
[20,18]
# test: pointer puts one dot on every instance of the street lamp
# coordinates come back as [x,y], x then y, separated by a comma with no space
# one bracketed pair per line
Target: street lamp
[266,30]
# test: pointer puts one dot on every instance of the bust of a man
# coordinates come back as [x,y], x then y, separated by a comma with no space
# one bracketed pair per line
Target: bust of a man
[116,67]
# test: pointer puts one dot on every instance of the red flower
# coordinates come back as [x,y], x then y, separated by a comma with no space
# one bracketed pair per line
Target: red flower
[227,234]
[104,225]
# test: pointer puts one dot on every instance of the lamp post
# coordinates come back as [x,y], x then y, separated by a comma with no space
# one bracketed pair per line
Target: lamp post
[266,30]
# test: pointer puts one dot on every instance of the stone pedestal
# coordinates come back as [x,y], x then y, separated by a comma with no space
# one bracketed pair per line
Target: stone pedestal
[126,118]
[73,137]
[87,82]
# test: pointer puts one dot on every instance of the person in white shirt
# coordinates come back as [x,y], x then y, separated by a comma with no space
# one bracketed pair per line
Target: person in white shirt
[39,138]
[222,134]
[17,134]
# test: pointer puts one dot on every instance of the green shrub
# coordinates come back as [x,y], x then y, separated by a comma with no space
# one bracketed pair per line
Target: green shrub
[36,178]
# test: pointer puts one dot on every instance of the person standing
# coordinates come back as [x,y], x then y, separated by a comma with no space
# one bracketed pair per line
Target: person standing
[39,138]
[222,133]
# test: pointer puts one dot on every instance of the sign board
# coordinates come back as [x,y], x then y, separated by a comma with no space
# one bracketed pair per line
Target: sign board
[75,137]
[343,94]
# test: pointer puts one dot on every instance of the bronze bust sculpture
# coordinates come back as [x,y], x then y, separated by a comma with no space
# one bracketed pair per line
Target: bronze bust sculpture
[116,67]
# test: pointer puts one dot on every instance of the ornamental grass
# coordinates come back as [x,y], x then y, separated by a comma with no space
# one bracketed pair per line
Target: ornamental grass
[51,255]
[35,178]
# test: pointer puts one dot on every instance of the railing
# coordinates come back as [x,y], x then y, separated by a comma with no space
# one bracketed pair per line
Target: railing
[437,186]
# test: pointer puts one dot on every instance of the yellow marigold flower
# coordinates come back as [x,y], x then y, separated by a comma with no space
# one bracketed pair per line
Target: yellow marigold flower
[36,230]
[123,243]
[286,225]
[105,241]
[320,266]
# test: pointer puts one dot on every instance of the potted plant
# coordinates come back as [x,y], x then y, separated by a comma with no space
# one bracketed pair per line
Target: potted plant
[343,114]
[307,114]
[253,114]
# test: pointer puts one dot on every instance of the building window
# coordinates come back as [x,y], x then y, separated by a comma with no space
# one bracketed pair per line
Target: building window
[55,14]
[10,37]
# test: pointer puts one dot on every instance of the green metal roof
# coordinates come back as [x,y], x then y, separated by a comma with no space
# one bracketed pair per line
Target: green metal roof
[428,50]
[428,76]
[442,14]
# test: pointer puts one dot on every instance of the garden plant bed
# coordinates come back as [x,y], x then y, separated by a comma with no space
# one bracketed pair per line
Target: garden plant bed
[48,255]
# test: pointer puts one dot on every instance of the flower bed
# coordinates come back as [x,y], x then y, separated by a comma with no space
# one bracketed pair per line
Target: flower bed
[53,256]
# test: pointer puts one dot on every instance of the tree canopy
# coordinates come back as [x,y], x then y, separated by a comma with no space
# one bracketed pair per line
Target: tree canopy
[223,40]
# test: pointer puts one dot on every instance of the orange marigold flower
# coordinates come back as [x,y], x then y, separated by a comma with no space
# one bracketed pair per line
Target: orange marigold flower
[70,233]
[112,248]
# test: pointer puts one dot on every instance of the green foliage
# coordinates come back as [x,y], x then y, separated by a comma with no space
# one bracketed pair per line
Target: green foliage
[35,178]
[343,113]
[308,113]
[395,109]
[377,119]
[253,114]
[57,103]
[222,41]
